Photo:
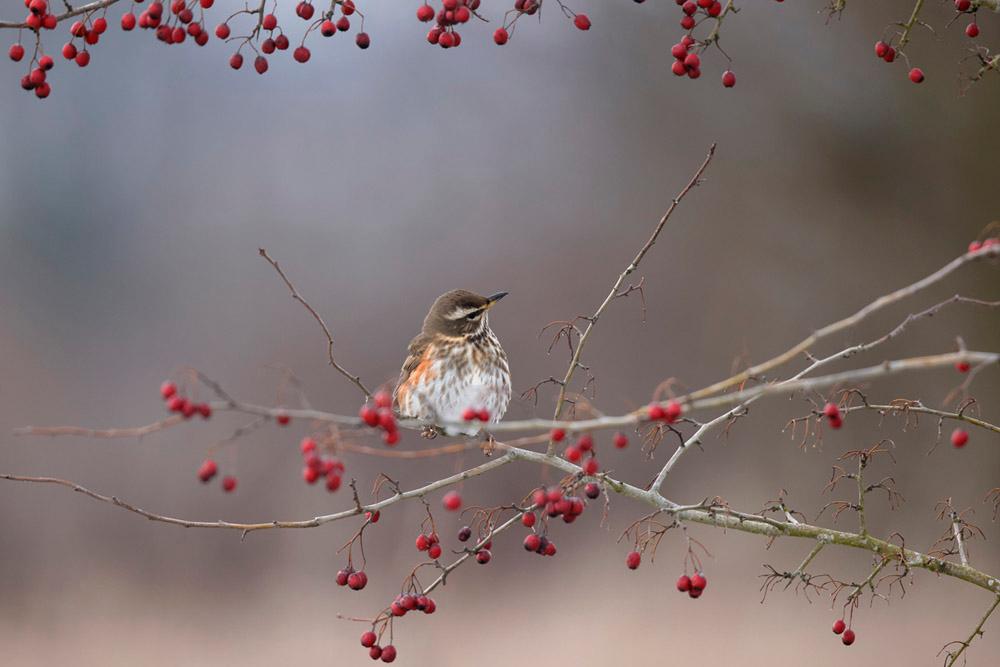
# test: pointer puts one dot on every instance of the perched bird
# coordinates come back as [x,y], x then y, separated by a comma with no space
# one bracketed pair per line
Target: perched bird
[455,364]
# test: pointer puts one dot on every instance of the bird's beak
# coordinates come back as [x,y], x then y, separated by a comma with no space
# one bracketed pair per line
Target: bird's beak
[493,299]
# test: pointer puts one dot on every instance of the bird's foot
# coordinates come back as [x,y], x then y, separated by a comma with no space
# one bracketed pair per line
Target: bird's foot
[488,445]
[431,432]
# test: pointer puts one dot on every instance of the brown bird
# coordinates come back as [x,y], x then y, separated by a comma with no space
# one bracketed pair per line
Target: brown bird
[455,365]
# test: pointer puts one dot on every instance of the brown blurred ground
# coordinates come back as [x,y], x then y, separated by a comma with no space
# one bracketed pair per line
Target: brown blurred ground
[380,179]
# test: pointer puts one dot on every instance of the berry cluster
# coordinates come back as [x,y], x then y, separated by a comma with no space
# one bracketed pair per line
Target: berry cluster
[181,405]
[431,543]
[209,469]
[353,579]
[474,414]
[687,61]
[381,416]
[986,243]
[694,586]
[316,466]
[833,416]
[529,8]
[886,52]
[847,635]
[669,414]
[451,14]
[965,7]
[411,602]
[386,653]
[583,446]
[176,27]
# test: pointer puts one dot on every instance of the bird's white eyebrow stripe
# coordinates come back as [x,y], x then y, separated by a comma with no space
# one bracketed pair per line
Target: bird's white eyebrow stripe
[460,312]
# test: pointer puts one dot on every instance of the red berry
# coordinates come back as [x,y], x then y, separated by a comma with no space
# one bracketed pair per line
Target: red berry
[678,69]
[550,549]
[890,55]
[307,445]
[959,437]
[16,52]
[848,637]
[368,639]
[528,519]
[364,41]
[836,423]
[655,410]
[390,437]
[591,466]
[470,414]
[963,5]
[388,652]
[281,41]
[620,440]
[679,50]
[332,482]
[483,415]
[831,411]
[465,533]
[881,48]
[684,583]
[687,23]
[425,13]
[357,580]
[963,367]
[208,470]
[582,22]
[260,64]
[572,454]
[592,490]
[452,501]
[483,556]
[42,91]
[167,389]
[100,25]
[916,75]
[633,559]
[434,551]
[500,36]
[228,483]
[368,415]
[236,61]
[728,79]
[375,652]
[222,31]
[69,53]
[532,542]
[585,443]
[342,576]
[694,593]
[282,418]
[347,7]
[310,474]
[382,399]
[972,30]
[343,25]
[269,22]
[373,517]
[301,54]
[673,410]
[838,626]
[557,435]
[422,542]
[698,581]
[205,410]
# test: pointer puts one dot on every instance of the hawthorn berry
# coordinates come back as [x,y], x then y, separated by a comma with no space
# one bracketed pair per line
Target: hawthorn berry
[368,415]
[357,580]
[483,415]
[959,437]
[167,389]
[848,637]
[16,52]
[388,652]
[310,474]
[207,470]
[422,542]
[464,533]
[694,593]
[699,582]
[332,482]
[221,31]
[916,75]
[364,41]
[282,418]
[375,652]
[69,53]
[557,435]
[368,639]
[307,445]
[620,440]
[550,549]
[452,501]
[591,466]
[963,5]
[390,437]
[42,91]
[425,13]
[963,366]
[205,410]
[228,483]
[838,626]
[972,30]
[382,399]
[582,21]
[470,414]
[728,79]
[585,443]
[269,22]
[527,520]
[890,55]
[532,542]
[343,574]
[281,41]
[373,516]
[684,583]
[633,559]
[100,25]
[434,551]
[572,454]
[500,37]
[592,490]
[483,556]
[260,64]
[343,25]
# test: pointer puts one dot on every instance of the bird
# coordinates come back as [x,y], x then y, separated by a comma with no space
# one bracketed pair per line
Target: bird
[454,365]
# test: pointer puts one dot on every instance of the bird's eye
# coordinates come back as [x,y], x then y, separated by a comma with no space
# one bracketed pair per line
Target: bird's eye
[474,315]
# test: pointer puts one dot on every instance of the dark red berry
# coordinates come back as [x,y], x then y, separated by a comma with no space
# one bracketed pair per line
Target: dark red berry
[592,490]
[464,534]
[368,639]
[838,626]
[388,652]
[684,583]
[483,556]
[848,637]
[633,559]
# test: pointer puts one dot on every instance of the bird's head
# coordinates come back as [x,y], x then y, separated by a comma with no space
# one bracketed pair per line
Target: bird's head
[460,313]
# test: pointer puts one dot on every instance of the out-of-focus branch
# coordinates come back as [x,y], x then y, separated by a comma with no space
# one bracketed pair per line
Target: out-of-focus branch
[356,380]
[952,657]
[633,265]
[70,13]
[847,322]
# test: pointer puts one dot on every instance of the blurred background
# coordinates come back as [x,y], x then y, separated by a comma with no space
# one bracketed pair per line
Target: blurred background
[136,197]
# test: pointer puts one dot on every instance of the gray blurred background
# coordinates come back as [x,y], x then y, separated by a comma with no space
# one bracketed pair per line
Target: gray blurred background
[134,201]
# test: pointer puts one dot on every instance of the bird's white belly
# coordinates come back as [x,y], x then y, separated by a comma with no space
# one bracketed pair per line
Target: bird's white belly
[476,388]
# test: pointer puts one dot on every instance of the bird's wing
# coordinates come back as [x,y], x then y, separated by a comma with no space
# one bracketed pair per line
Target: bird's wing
[415,356]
